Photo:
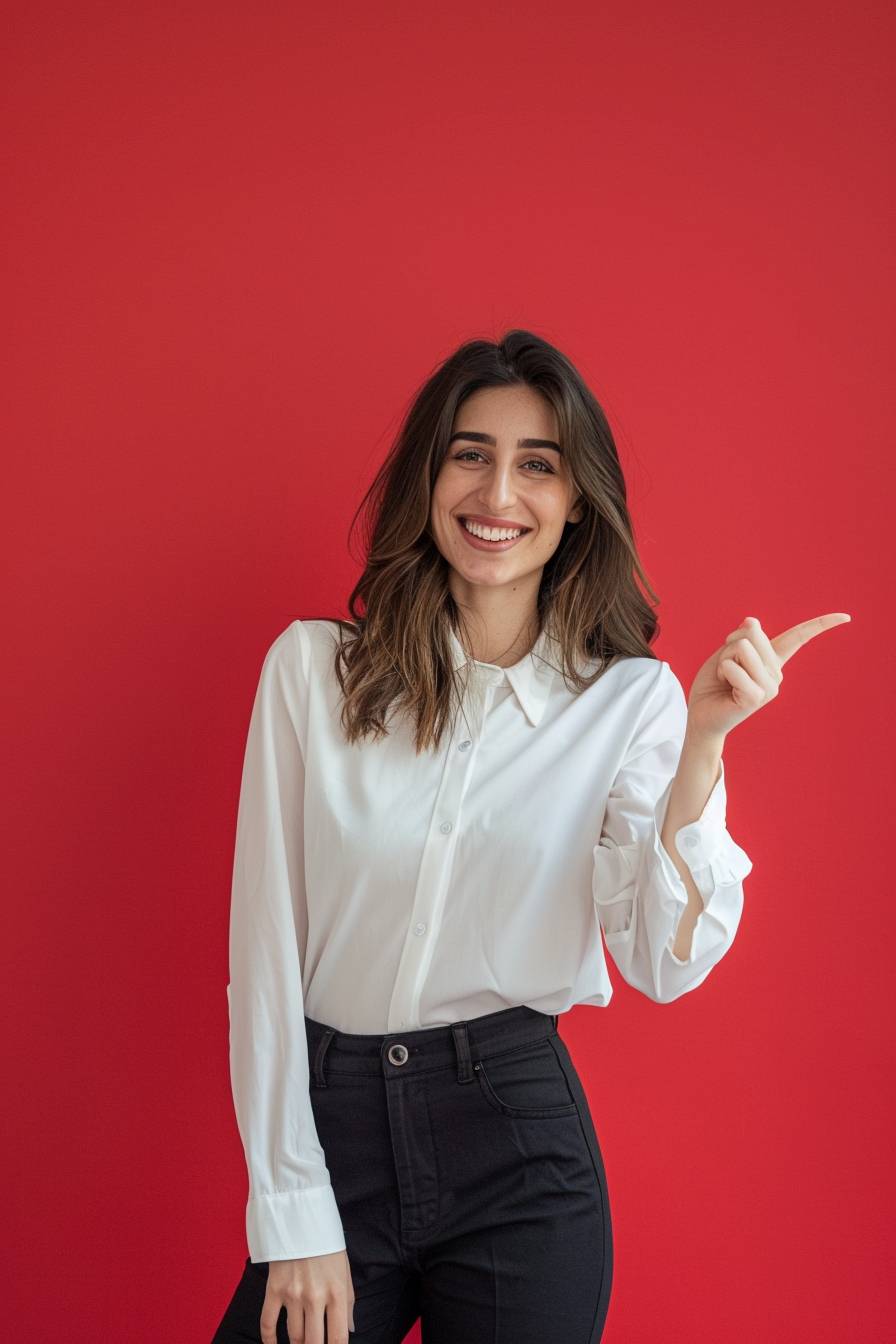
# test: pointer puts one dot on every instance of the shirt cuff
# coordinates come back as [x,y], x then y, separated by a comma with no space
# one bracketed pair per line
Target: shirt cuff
[293,1224]
[713,858]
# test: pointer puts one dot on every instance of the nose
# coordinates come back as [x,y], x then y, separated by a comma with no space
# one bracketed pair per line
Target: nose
[498,493]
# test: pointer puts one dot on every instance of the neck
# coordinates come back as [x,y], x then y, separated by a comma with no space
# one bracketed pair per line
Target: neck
[498,632]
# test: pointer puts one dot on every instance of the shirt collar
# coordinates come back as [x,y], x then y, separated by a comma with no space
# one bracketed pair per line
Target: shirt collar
[531,677]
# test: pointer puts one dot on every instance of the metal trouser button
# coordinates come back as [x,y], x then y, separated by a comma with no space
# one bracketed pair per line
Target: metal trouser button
[398,1054]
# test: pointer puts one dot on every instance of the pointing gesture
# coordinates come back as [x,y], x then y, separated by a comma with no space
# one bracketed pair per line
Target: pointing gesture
[745,673]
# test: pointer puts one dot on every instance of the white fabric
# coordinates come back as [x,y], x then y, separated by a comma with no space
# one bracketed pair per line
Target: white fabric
[376,890]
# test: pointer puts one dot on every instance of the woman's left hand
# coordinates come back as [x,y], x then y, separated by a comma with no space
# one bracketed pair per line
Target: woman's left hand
[745,673]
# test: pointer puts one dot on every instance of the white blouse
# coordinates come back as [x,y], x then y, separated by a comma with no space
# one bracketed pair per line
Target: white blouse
[376,890]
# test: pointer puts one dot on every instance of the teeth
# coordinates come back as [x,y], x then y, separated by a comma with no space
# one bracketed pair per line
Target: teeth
[492,533]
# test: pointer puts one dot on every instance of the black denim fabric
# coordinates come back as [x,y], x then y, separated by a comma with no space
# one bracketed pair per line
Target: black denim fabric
[470,1182]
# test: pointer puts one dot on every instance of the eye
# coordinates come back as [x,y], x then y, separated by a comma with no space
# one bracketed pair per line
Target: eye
[545,468]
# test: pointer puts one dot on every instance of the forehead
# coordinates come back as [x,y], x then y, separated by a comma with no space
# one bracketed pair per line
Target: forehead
[508,412]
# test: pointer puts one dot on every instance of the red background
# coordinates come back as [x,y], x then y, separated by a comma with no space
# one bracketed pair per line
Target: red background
[240,236]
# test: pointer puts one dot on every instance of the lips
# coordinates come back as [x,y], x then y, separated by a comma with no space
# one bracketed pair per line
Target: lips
[503,522]
[480,544]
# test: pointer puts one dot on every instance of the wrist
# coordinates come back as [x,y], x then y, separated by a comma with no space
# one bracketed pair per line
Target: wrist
[700,742]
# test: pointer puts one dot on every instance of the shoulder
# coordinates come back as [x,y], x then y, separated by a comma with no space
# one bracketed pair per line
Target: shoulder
[661,703]
[636,678]
[307,646]
[654,679]
[653,676]
[642,689]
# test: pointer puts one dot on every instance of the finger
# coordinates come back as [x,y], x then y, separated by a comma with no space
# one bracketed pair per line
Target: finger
[269,1316]
[339,1322]
[752,629]
[787,643]
[313,1322]
[744,653]
[744,690]
[298,1322]
[350,1294]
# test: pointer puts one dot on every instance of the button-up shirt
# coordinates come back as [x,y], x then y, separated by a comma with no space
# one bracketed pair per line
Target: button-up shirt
[378,890]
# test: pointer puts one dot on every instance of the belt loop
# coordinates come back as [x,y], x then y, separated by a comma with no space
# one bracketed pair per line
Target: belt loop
[462,1046]
[319,1075]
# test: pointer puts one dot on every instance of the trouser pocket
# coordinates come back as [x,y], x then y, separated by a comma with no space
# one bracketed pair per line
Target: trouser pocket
[527,1082]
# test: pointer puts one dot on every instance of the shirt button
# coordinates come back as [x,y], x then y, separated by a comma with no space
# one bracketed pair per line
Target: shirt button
[463,746]
[418,929]
[445,827]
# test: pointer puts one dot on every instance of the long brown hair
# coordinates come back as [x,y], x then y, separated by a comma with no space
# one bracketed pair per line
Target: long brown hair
[394,654]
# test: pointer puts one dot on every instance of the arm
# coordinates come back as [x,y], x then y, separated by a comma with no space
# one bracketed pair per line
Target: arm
[639,892]
[291,1211]
[699,770]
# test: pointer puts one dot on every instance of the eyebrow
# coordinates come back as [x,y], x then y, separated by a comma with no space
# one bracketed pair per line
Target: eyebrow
[477,437]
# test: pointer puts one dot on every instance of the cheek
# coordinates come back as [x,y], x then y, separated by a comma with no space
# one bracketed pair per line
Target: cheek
[552,516]
[442,494]
[440,523]
[550,533]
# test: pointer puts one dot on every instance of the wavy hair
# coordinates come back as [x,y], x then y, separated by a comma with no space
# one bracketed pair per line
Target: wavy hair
[394,655]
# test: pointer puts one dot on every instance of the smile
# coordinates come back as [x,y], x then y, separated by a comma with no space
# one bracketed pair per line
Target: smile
[491,538]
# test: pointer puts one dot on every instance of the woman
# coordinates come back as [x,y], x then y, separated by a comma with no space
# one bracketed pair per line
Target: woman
[445,802]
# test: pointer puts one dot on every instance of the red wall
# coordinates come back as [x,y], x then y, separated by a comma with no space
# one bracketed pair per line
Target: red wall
[239,238]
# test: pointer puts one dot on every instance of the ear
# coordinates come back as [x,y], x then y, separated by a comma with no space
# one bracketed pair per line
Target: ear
[577,512]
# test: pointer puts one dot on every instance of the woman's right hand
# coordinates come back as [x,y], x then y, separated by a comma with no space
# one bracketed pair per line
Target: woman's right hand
[310,1289]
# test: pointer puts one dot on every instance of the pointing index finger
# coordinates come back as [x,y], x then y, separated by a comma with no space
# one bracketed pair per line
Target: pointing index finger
[787,643]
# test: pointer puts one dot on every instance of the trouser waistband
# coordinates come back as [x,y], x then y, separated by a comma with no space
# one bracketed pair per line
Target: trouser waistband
[401,1053]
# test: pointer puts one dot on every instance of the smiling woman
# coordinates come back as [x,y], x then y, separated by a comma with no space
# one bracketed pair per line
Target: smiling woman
[450,804]
[504,437]
[514,493]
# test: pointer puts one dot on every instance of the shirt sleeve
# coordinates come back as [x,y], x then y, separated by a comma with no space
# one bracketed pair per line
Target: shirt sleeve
[639,894]
[291,1211]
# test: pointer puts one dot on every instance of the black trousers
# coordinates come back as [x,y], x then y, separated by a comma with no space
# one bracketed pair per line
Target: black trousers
[470,1183]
